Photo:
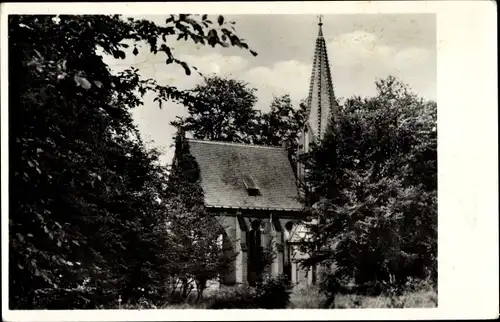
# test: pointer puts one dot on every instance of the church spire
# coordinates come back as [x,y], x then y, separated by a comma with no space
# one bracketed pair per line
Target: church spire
[321,103]
[321,99]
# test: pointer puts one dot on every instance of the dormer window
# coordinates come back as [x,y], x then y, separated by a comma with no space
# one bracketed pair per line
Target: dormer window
[252,188]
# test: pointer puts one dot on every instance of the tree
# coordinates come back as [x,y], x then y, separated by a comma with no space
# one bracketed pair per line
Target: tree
[282,125]
[194,234]
[374,189]
[224,111]
[84,189]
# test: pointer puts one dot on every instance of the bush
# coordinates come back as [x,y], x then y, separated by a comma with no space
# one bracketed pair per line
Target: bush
[236,297]
[271,293]
[140,304]
[76,298]
[274,292]
[308,297]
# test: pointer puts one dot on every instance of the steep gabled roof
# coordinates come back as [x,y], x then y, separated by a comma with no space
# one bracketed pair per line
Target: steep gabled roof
[229,170]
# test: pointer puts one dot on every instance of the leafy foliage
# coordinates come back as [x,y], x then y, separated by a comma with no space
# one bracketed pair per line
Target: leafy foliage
[274,292]
[84,196]
[282,125]
[224,111]
[196,236]
[374,190]
[271,293]
[239,297]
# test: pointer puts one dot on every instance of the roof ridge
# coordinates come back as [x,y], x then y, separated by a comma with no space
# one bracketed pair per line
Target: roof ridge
[263,146]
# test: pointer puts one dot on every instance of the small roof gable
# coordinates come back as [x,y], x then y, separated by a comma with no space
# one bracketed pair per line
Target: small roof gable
[231,171]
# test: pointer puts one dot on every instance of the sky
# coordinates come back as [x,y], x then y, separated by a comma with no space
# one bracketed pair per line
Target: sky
[361,48]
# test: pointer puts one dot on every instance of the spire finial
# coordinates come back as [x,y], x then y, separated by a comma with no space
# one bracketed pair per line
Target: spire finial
[320,23]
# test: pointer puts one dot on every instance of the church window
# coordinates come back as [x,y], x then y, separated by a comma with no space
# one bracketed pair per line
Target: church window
[255,260]
[256,225]
[287,263]
[288,231]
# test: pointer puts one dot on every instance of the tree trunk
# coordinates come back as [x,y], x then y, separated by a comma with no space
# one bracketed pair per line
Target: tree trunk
[200,285]
[184,287]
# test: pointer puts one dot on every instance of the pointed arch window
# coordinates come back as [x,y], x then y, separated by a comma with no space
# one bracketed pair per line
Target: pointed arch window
[255,251]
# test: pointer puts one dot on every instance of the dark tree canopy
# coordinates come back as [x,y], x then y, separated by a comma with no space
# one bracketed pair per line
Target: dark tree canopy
[283,122]
[282,125]
[85,192]
[203,250]
[373,185]
[224,111]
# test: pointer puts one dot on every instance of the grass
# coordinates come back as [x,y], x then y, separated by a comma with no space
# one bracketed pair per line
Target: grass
[184,306]
[311,298]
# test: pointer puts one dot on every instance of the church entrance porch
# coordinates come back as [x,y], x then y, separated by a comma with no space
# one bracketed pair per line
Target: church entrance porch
[263,246]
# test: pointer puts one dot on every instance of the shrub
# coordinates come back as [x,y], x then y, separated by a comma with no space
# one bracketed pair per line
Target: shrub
[76,298]
[308,297]
[140,304]
[235,297]
[274,292]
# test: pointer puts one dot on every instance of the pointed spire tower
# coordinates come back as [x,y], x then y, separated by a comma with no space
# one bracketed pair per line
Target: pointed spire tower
[321,101]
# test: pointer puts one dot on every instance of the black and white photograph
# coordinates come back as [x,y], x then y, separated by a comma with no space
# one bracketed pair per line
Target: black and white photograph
[215,161]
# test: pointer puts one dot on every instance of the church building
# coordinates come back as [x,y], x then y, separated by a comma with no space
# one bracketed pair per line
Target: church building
[253,189]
